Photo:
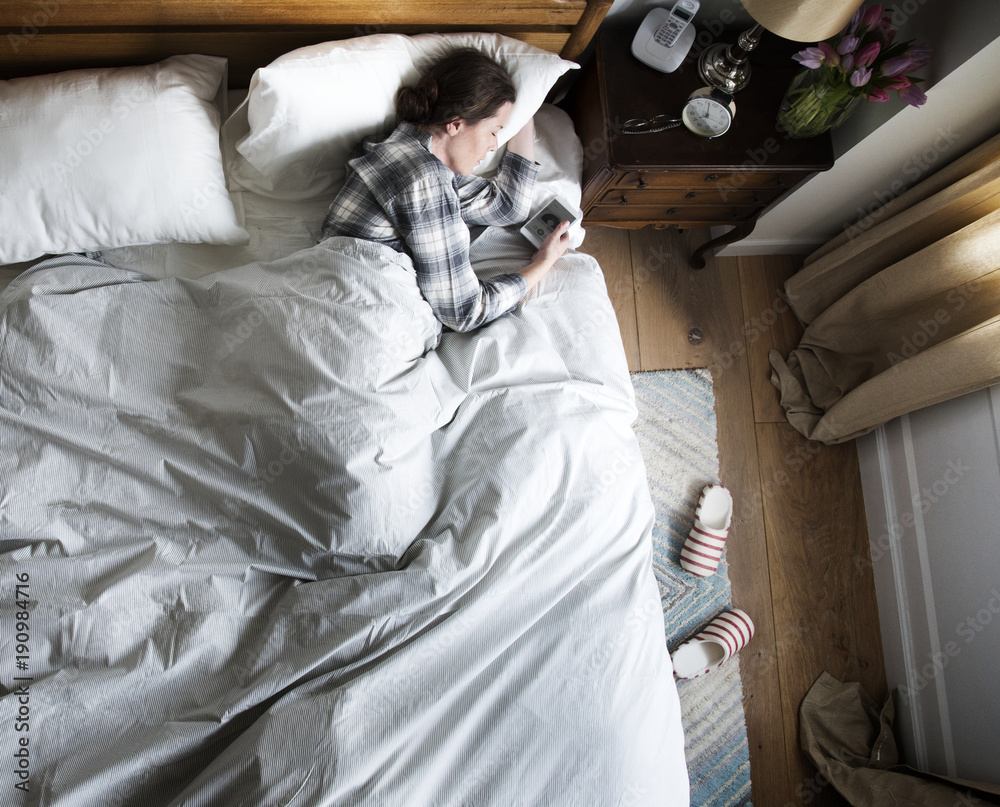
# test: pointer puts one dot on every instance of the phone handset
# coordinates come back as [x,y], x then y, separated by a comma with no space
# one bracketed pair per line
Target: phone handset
[680,17]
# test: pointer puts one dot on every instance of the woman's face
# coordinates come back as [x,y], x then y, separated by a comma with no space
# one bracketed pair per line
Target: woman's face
[462,146]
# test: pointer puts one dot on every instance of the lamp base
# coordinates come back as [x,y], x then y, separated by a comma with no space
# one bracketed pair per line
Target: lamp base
[725,66]
[717,71]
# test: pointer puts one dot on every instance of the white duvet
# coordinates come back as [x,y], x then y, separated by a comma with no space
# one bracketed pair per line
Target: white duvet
[287,544]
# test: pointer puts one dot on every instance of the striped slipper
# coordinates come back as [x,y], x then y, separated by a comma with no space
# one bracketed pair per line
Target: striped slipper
[703,547]
[721,639]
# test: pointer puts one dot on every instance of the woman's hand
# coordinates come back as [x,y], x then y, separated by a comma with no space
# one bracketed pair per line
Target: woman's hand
[555,244]
[553,247]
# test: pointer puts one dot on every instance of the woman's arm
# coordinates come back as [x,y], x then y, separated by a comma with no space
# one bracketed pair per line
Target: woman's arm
[505,199]
[428,217]
[523,142]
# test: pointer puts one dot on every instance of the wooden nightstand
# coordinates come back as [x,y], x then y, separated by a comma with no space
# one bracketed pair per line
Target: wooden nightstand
[675,178]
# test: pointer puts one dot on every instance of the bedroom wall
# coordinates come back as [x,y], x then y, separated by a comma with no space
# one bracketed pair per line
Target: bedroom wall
[931,484]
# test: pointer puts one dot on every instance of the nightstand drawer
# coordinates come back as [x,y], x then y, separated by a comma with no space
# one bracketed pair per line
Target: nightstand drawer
[708,178]
[689,214]
[669,197]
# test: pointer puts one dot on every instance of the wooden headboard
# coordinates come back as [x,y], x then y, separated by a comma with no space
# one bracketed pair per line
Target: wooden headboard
[44,36]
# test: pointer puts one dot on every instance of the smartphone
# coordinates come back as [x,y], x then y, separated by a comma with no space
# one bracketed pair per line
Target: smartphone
[545,221]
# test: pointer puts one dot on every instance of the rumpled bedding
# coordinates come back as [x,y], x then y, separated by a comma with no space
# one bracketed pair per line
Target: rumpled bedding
[270,537]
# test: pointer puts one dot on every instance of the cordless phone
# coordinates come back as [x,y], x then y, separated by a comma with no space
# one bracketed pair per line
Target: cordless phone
[666,35]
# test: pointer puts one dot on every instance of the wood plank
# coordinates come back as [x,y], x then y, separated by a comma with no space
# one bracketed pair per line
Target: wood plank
[823,593]
[97,14]
[689,303]
[746,552]
[586,28]
[768,323]
[246,50]
[611,248]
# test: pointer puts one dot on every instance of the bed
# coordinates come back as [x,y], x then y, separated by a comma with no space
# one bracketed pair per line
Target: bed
[269,535]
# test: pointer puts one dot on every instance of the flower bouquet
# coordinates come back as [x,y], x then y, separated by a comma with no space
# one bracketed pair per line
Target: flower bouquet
[863,61]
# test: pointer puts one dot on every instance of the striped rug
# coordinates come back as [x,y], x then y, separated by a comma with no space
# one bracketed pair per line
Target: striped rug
[677,435]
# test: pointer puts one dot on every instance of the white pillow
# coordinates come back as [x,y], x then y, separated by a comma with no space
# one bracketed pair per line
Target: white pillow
[306,111]
[113,157]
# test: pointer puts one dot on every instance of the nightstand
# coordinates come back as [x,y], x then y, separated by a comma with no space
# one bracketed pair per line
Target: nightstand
[675,178]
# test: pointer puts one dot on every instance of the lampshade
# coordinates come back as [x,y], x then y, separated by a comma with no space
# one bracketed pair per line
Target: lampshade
[802,20]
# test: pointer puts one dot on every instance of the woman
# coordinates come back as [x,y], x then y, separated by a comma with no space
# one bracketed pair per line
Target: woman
[414,192]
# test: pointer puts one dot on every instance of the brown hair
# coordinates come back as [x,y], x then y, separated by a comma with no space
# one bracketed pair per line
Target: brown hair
[465,84]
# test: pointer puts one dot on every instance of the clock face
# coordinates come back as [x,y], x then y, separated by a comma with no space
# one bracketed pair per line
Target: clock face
[706,116]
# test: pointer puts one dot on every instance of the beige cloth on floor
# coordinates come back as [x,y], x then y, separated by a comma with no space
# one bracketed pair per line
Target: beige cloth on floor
[850,740]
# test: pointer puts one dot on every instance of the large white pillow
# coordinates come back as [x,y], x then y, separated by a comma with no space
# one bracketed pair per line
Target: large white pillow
[306,111]
[113,157]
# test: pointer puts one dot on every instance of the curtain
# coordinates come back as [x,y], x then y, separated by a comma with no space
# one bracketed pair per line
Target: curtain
[901,311]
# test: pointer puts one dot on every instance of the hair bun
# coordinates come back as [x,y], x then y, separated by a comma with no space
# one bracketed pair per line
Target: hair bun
[415,104]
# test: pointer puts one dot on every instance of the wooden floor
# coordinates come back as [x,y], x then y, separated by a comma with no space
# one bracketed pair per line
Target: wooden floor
[798,546]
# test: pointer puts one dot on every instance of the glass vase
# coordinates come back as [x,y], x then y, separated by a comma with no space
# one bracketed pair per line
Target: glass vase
[816,102]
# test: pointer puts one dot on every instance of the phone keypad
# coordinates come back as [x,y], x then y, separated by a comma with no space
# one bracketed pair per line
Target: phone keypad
[667,33]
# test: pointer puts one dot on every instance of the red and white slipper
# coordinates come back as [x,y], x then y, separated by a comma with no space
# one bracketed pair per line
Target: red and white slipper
[720,640]
[703,547]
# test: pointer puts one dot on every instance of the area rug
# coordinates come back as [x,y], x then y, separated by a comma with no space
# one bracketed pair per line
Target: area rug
[676,428]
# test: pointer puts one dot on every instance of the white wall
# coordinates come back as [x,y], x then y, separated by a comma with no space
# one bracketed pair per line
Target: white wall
[932,495]
[886,148]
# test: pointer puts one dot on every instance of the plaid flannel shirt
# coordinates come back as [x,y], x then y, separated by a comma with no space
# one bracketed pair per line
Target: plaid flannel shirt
[398,193]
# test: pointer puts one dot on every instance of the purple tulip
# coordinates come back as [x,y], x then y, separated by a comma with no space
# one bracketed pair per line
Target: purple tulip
[847,63]
[860,76]
[872,15]
[867,54]
[921,55]
[898,83]
[916,57]
[897,64]
[913,95]
[810,57]
[847,45]
[886,31]
[852,25]
[830,56]
[878,95]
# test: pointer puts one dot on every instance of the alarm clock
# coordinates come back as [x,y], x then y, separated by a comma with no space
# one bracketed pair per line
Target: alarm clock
[708,112]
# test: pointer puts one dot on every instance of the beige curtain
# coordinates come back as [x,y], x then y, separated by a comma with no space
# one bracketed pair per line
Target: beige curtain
[903,313]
